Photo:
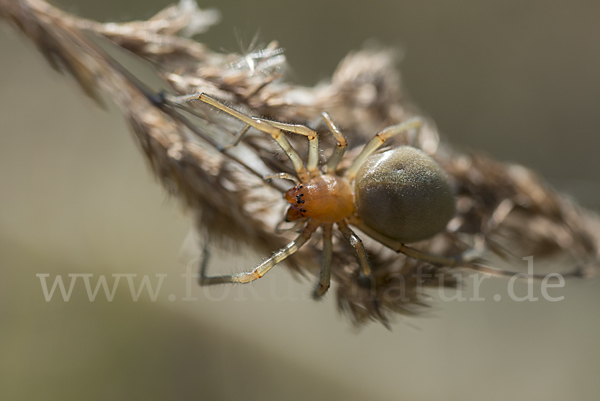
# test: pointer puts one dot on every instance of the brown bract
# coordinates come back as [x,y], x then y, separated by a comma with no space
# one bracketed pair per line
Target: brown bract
[507,208]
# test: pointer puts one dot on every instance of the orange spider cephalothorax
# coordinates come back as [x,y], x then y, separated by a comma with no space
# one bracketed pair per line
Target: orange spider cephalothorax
[325,198]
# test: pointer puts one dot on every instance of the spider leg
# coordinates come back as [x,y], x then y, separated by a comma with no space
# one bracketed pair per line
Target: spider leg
[408,251]
[237,139]
[265,266]
[325,273]
[313,154]
[261,125]
[313,142]
[204,262]
[341,146]
[378,140]
[467,259]
[356,242]
[283,176]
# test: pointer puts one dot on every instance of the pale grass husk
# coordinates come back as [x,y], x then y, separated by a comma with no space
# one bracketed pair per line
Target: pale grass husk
[506,207]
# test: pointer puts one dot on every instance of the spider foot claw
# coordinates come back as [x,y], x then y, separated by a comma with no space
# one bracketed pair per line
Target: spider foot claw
[319,292]
[365,281]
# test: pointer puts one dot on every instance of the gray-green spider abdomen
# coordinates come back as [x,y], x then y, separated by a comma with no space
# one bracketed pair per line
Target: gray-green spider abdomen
[404,194]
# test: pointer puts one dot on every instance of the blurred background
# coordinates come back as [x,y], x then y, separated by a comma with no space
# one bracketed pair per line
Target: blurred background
[517,80]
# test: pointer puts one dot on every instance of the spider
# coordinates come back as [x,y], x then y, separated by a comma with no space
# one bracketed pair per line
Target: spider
[397,196]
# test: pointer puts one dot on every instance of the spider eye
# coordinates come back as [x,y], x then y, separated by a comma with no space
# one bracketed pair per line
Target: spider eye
[404,194]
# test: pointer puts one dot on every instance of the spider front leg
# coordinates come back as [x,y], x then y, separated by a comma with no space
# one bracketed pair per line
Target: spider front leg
[261,125]
[313,152]
[313,142]
[341,146]
[265,266]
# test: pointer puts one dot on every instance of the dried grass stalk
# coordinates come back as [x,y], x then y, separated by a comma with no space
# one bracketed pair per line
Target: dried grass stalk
[505,207]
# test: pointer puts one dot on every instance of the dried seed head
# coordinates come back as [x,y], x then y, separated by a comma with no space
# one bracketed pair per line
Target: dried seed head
[507,207]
